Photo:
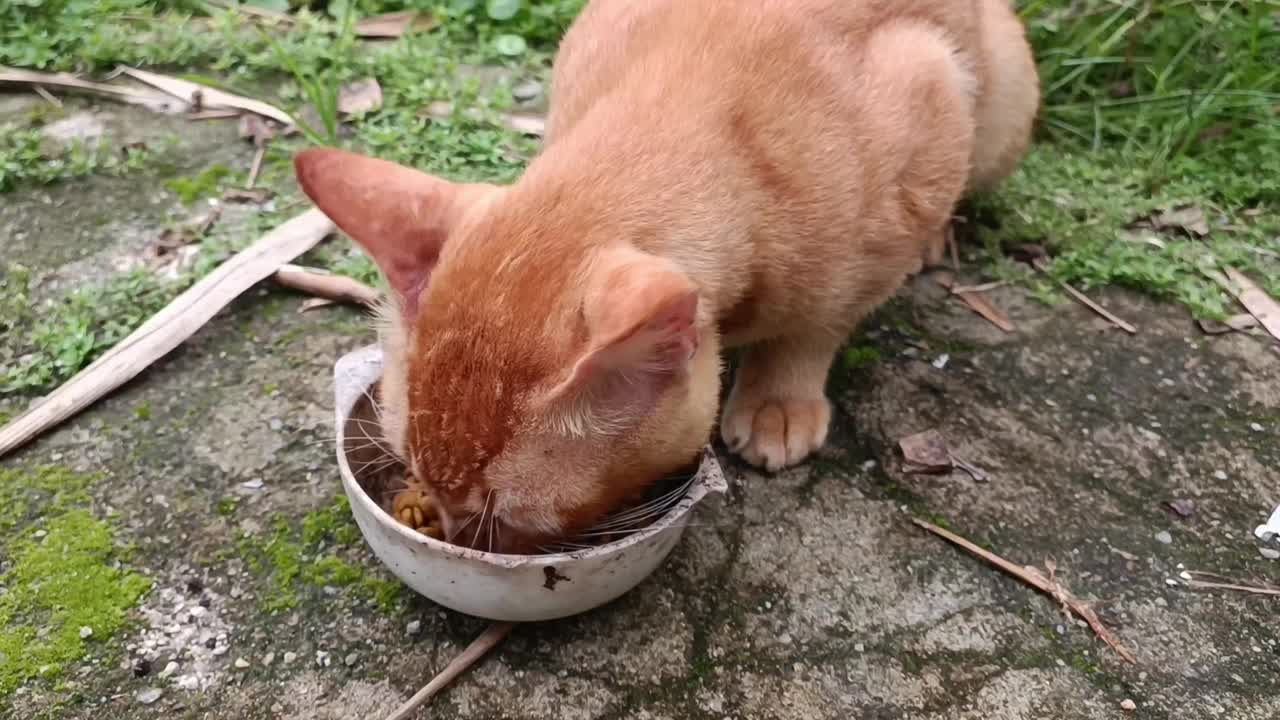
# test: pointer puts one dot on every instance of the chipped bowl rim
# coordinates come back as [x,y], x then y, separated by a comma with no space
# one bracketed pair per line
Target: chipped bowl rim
[355,373]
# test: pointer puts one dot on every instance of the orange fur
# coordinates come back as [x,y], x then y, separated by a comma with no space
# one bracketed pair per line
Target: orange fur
[716,174]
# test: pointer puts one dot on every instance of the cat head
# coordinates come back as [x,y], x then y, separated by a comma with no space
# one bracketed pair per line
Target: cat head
[538,373]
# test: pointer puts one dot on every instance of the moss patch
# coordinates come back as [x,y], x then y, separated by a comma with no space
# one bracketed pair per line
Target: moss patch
[63,575]
[298,558]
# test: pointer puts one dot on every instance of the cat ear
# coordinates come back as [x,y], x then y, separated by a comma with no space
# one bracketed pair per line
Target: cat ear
[641,316]
[401,217]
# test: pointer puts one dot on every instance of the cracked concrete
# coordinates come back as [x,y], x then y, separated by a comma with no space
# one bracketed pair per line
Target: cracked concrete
[800,596]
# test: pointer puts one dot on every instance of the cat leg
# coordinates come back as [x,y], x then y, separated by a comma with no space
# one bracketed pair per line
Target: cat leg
[778,412]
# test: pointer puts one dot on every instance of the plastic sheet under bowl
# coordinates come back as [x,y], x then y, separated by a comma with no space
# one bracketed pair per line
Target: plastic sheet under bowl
[518,588]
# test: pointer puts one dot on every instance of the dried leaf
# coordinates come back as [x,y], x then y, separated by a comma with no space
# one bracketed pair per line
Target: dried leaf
[1182,507]
[1235,323]
[167,329]
[1253,298]
[361,96]
[1190,219]
[147,98]
[395,24]
[926,451]
[203,96]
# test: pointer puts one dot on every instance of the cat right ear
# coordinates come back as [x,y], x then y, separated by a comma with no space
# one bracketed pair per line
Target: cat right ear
[401,217]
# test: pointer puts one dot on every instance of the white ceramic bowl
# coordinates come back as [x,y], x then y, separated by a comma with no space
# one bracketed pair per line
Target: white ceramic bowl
[517,588]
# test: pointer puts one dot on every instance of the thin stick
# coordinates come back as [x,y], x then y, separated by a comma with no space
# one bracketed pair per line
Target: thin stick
[256,167]
[476,650]
[1039,264]
[337,288]
[978,303]
[1233,586]
[1037,580]
[45,94]
[167,329]
[1219,582]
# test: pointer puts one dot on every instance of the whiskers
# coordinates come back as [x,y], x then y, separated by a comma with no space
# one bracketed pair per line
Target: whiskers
[627,521]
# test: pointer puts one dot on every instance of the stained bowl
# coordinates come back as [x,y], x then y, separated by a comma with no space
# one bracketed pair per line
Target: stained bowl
[517,588]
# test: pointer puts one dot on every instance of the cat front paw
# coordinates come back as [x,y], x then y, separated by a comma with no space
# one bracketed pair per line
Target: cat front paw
[775,433]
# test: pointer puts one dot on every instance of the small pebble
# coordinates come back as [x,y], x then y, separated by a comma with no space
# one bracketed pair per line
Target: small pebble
[1164,538]
[1256,427]
[350,659]
[86,632]
[322,658]
[275,424]
[414,628]
[1170,582]
[40,533]
[149,695]
[1128,705]
[940,362]
[241,663]
[289,657]
[526,91]
[1220,475]
[254,484]
[169,669]
[859,647]
[268,658]
[1269,553]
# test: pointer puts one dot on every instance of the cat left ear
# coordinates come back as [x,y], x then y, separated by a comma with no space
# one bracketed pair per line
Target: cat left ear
[401,217]
[641,314]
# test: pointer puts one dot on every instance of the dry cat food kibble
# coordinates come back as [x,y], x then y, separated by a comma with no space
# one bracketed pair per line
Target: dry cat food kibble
[413,508]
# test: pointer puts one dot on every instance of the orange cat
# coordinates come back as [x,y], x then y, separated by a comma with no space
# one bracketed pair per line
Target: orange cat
[716,174]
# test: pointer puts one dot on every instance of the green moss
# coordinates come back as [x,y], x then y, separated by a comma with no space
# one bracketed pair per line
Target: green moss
[206,183]
[295,559]
[860,357]
[143,411]
[63,575]
[227,506]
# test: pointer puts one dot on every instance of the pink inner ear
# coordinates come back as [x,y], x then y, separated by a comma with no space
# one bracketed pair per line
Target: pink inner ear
[401,217]
[648,342]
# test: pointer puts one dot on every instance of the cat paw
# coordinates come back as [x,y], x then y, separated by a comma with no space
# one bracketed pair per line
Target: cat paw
[775,433]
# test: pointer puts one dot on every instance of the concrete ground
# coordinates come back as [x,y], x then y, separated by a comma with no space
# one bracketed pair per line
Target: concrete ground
[799,596]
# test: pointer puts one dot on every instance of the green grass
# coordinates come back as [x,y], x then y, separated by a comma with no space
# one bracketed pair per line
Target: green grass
[1150,106]
[62,573]
[1147,106]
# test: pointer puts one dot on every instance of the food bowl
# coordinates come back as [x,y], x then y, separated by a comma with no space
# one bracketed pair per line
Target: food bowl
[518,588]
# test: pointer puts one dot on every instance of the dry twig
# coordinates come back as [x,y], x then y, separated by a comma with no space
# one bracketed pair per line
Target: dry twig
[1037,580]
[337,288]
[1217,582]
[1039,264]
[167,329]
[476,650]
